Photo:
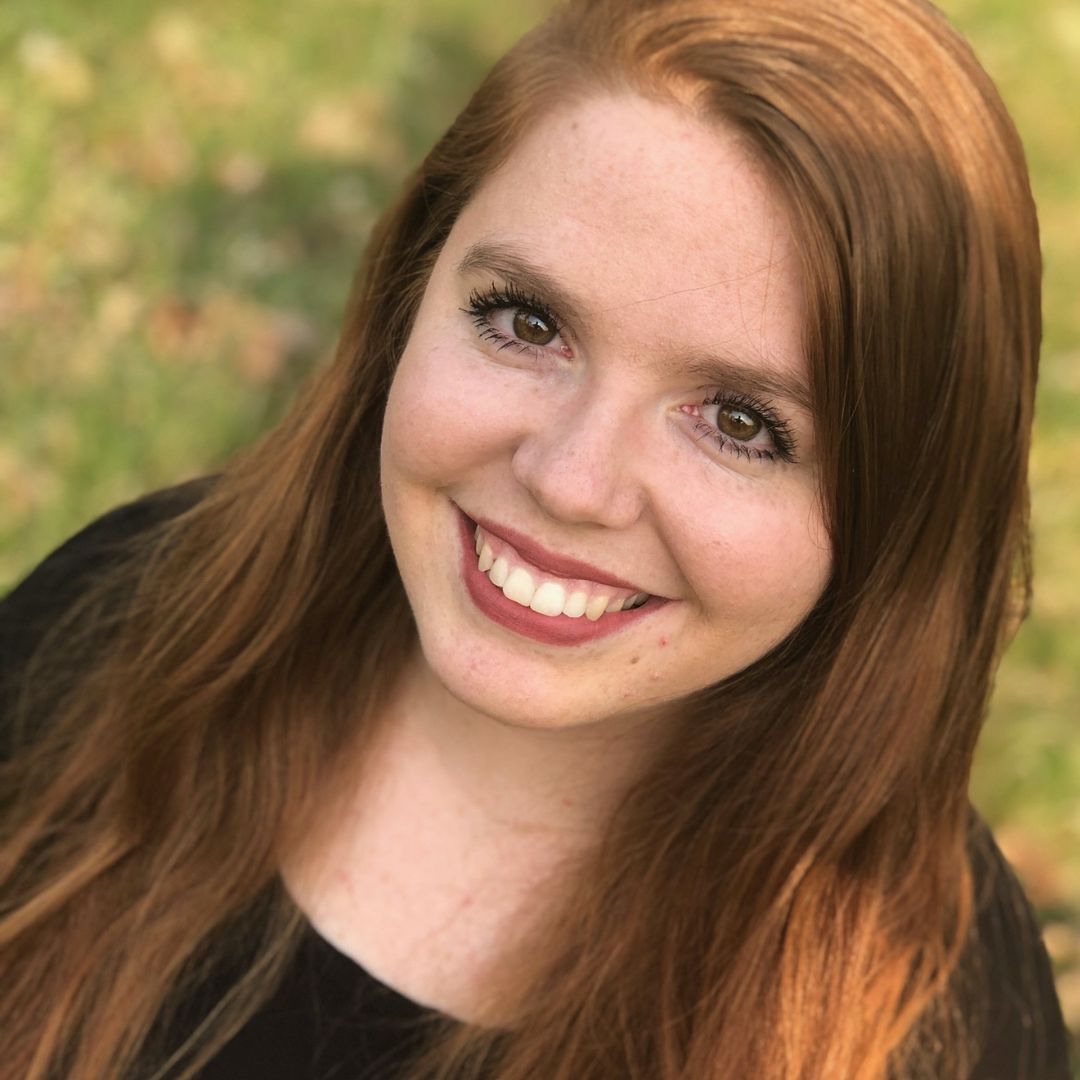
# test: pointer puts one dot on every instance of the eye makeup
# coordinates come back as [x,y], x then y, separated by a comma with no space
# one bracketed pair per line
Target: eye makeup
[779,430]
[484,305]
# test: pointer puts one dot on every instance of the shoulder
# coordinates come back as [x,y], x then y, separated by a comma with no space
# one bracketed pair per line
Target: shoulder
[57,581]
[54,586]
[1006,975]
[93,545]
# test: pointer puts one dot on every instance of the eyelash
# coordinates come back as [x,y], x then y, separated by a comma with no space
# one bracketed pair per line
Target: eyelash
[483,303]
[780,431]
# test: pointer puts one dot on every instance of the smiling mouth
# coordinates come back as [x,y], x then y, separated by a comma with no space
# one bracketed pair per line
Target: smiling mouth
[536,603]
[543,592]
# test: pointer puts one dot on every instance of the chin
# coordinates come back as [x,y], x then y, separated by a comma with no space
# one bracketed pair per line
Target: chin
[513,699]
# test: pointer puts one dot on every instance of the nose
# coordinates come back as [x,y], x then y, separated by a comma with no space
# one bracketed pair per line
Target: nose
[583,466]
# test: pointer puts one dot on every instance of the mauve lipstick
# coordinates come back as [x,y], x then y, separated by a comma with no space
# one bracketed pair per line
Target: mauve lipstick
[542,559]
[547,629]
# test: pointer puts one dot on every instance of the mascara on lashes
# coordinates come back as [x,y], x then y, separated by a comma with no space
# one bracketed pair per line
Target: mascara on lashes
[482,304]
[495,298]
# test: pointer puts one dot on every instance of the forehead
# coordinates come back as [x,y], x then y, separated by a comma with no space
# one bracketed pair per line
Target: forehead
[653,219]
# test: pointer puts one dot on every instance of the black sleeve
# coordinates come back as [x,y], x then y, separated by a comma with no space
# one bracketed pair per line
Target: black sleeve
[1023,1033]
[36,603]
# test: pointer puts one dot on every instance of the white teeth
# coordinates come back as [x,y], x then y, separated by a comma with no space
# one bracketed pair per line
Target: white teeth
[519,587]
[549,599]
[500,571]
[575,604]
[596,607]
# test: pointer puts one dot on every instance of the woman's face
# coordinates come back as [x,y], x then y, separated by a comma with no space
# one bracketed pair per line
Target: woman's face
[605,372]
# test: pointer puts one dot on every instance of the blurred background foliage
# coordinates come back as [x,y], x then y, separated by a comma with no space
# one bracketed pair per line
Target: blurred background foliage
[185,189]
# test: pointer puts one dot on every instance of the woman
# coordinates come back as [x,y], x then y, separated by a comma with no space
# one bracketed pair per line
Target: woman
[618,724]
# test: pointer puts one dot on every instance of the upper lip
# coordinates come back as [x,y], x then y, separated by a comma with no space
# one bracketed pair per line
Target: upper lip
[542,559]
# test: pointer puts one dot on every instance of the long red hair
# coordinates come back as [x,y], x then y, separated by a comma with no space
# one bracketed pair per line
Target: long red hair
[785,892]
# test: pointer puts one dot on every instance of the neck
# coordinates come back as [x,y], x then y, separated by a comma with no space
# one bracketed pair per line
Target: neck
[452,833]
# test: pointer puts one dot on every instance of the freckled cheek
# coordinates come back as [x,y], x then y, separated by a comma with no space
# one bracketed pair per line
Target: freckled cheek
[448,411]
[766,562]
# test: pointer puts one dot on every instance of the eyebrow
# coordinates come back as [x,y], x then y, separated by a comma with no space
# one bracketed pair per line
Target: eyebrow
[505,262]
[733,375]
[723,369]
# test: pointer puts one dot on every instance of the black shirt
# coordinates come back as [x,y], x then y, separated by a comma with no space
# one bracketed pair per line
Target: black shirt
[329,1019]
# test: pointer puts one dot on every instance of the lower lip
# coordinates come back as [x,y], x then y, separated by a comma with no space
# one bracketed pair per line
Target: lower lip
[548,629]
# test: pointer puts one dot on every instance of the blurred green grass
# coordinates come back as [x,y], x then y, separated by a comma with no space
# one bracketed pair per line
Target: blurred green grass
[185,190]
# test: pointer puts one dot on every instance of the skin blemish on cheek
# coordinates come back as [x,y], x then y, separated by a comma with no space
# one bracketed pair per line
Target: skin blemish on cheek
[663,643]
[634,659]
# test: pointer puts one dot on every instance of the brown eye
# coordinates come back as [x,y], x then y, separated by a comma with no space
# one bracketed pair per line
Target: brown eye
[738,423]
[533,328]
